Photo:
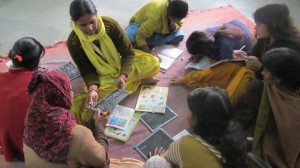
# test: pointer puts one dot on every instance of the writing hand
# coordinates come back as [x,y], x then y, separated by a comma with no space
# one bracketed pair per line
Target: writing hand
[239,54]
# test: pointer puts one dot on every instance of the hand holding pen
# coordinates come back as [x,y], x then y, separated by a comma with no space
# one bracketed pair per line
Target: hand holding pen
[239,54]
[155,54]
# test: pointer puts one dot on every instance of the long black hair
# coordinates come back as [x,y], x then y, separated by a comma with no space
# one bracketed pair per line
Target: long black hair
[284,63]
[79,8]
[29,51]
[200,43]
[212,114]
[278,21]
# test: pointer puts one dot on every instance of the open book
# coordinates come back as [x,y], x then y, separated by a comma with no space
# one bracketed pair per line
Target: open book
[152,99]
[123,135]
[168,55]
[120,117]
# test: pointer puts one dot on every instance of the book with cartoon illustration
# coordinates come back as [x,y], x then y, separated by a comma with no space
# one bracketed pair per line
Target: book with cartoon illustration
[120,117]
[123,135]
[152,99]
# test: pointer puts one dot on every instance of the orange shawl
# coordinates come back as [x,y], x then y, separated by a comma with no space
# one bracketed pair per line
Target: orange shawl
[276,136]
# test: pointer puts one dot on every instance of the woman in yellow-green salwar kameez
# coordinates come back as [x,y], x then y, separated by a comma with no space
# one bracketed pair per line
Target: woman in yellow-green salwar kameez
[105,58]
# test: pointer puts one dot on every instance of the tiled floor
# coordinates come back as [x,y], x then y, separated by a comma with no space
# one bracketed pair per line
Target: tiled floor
[49,21]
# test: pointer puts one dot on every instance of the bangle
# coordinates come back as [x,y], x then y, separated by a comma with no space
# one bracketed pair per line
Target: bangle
[123,76]
[96,90]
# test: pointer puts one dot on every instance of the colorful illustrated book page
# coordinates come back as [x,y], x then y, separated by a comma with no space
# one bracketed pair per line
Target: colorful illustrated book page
[120,117]
[123,135]
[152,99]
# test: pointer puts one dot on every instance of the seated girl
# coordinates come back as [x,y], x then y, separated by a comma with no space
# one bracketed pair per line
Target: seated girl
[214,142]
[157,22]
[25,56]
[276,137]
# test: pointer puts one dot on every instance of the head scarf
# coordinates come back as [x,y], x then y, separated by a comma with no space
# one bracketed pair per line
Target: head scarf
[49,122]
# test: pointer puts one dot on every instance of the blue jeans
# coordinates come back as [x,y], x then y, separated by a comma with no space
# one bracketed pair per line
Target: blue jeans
[155,39]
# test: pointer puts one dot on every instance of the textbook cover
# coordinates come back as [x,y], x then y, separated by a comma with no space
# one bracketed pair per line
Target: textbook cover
[205,62]
[123,135]
[152,99]
[227,60]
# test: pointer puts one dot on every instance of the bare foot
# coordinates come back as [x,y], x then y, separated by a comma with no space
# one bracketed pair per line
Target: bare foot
[149,81]
[177,80]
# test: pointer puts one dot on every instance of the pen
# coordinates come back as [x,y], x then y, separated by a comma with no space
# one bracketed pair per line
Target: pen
[242,48]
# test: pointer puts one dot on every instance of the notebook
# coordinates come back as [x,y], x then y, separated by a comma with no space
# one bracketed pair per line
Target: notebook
[152,99]
[70,69]
[168,55]
[205,62]
[227,60]
[123,135]
[111,100]
[155,121]
[157,139]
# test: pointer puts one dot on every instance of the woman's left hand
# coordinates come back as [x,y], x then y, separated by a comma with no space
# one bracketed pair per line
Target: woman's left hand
[253,63]
[121,83]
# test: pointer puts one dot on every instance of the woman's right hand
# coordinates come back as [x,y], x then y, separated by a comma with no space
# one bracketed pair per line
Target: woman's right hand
[177,80]
[146,49]
[100,119]
[92,97]
[237,54]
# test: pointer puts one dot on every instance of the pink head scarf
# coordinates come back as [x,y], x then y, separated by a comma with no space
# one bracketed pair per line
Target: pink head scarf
[49,122]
